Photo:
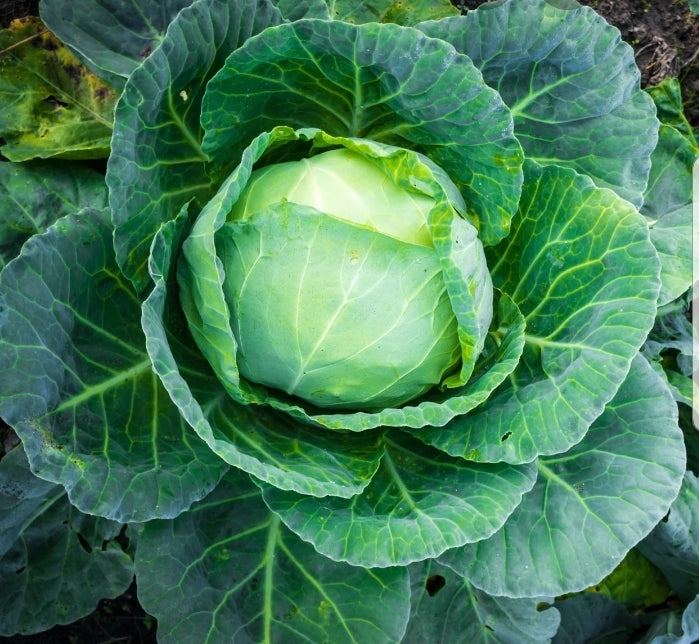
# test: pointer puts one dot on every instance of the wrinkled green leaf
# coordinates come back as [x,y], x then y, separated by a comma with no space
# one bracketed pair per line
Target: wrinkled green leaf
[50,105]
[257,439]
[55,563]
[242,577]
[157,164]
[591,505]
[34,195]
[671,336]
[402,13]
[667,97]
[580,266]
[668,207]
[420,503]
[546,62]
[111,37]
[348,81]
[77,382]
[459,612]
[298,9]
[673,544]
[668,197]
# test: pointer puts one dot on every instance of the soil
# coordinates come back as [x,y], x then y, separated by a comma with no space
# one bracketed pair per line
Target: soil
[665,37]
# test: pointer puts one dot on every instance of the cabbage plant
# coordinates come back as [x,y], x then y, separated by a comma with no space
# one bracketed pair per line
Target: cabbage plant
[349,342]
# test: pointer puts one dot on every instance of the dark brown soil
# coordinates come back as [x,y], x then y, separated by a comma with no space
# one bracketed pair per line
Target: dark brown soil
[665,36]
[11,9]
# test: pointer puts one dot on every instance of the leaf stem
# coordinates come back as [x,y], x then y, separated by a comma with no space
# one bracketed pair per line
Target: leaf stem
[272,535]
[19,43]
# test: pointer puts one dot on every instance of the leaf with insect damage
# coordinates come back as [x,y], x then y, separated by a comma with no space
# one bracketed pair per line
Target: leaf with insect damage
[50,105]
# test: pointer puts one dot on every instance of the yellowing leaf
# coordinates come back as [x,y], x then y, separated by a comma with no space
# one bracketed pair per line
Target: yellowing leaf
[50,104]
[635,582]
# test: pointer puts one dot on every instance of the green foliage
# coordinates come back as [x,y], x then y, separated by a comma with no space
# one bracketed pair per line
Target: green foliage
[55,562]
[480,509]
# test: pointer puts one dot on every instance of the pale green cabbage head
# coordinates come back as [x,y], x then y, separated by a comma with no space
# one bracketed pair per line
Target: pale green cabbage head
[350,279]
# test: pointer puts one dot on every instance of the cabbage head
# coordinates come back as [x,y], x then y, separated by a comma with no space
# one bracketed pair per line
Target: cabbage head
[350,280]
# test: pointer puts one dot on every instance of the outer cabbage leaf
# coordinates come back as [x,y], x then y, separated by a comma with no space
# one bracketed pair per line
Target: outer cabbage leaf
[590,617]
[667,97]
[458,612]
[34,195]
[55,563]
[77,383]
[689,627]
[157,164]
[420,503]
[244,578]
[258,440]
[50,105]
[348,81]
[111,37]
[580,265]
[572,84]
[590,505]
[402,13]
[673,546]
[668,197]
[298,9]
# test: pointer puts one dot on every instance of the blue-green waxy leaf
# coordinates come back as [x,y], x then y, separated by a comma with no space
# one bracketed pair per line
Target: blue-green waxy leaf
[676,627]
[673,545]
[228,571]
[34,195]
[419,503]
[112,37]
[590,505]
[446,608]
[580,265]
[298,9]
[55,563]
[156,163]
[348,81]
[77,384]
[668,198]
[257,439]
[572,85]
